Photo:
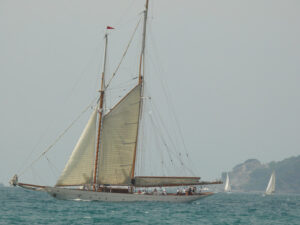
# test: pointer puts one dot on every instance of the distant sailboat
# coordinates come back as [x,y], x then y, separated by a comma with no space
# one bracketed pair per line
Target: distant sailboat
[227,187]
[271,185]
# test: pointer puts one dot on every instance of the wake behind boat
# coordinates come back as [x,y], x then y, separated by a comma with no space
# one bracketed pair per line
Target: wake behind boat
[102,165]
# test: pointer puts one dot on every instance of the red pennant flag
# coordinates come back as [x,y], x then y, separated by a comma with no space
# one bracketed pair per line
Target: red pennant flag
[109,28]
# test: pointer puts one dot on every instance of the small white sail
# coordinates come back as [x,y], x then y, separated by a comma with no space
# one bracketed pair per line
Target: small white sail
[227,184]
[271,185]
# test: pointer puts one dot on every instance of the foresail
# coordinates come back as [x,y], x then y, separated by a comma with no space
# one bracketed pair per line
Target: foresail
[79,169]
[118,140]
[148,181]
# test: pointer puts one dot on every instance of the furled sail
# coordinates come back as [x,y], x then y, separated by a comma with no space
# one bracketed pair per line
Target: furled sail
[79,169]
[145,181]
[271,185]
[227,187]
[118,140]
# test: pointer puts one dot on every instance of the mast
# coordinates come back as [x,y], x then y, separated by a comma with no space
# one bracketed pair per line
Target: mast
[142,56]
[141,80]
[100,111]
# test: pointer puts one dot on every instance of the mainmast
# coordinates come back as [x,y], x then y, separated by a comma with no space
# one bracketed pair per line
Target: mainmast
[141,80]
[142,56]
[100,111]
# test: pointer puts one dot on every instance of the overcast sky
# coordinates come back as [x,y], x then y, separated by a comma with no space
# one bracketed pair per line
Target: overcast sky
[231,67]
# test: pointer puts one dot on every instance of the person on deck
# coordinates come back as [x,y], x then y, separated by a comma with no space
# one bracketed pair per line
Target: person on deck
[194,189]
[190,191]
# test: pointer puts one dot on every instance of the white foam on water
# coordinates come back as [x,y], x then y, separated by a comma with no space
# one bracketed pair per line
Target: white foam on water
[82,200]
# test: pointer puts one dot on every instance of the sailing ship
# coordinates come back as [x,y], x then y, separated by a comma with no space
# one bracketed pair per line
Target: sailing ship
[227,187]
[102,164]
[271,185]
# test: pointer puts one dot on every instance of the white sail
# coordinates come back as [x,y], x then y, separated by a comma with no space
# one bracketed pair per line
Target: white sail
[271,185]
[79,169]
[227,187]
[118,140]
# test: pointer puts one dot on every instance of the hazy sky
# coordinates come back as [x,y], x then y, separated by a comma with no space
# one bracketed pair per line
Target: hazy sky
[232,68]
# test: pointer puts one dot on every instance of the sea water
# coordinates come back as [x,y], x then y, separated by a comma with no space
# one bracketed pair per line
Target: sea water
[19,206]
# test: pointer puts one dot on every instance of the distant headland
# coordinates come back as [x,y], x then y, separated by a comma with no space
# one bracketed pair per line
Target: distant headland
[252,175]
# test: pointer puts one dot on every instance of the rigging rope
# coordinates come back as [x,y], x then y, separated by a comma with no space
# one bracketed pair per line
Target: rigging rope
[59,137]
[36,176]
[160,122]
[65,100]
[51,166]
[169,150]
[124,54]
[168,98]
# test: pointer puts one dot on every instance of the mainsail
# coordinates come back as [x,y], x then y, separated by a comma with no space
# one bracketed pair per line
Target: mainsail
[227,187]
[79,169]
[271,185]
[118,140]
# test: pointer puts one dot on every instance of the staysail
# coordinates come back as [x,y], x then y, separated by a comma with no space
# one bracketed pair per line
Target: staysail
[271,185]
[118,140]
[227,187]
[79,169]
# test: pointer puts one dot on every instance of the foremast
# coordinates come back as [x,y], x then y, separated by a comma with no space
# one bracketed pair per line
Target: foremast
[141,82]
[100,111]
